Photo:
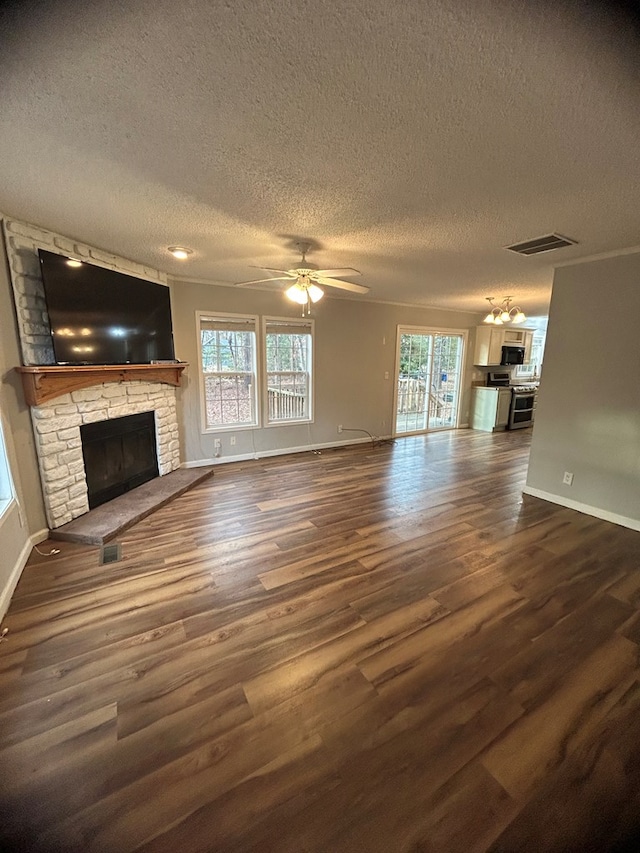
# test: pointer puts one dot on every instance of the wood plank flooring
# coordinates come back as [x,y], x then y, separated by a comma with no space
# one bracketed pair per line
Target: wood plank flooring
[375,649]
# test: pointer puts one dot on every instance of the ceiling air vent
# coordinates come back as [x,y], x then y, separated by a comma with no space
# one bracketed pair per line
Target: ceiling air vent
[541,244]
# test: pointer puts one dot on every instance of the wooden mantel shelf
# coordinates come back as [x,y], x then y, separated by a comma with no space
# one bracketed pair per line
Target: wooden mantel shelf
[45,383]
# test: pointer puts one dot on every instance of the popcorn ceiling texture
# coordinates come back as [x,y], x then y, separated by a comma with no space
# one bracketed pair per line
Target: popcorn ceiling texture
[410,140]
[56,424]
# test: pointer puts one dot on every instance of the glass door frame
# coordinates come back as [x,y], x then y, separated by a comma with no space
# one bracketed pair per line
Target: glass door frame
[402,329]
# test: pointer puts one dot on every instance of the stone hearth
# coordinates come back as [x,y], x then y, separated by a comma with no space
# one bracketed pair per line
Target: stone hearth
[103,523]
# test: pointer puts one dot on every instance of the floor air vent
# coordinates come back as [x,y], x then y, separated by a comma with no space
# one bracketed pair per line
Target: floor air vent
[110,553]
[541,244]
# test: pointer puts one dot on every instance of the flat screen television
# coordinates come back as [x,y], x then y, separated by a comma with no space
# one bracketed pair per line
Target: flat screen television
[99,316]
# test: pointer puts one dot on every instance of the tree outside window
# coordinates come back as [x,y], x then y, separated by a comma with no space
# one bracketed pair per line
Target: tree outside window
[228,360]
[288,357]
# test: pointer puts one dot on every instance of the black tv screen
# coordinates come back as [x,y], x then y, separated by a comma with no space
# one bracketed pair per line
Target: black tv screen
[99,316]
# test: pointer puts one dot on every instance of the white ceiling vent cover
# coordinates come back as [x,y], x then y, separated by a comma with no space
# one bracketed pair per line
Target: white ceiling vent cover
[541,244]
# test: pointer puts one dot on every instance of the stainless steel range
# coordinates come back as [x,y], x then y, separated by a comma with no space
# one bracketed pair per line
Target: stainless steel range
[523,399]
[523,403]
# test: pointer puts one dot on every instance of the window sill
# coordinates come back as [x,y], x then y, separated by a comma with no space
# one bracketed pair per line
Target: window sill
[232,428]
[288,423]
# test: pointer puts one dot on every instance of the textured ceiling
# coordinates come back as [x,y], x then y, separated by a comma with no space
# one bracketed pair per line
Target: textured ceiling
[411,140]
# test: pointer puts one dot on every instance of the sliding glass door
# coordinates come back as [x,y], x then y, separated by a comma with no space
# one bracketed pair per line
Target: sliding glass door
[428,377]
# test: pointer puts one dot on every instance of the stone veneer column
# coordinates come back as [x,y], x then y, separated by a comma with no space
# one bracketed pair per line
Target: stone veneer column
[57,429]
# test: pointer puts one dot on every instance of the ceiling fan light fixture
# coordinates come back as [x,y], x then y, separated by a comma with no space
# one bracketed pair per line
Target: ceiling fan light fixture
[315,293]
[306,283]
[296,294]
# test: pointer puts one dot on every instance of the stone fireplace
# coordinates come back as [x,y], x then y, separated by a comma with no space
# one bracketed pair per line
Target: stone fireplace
[57,424]
[63,399]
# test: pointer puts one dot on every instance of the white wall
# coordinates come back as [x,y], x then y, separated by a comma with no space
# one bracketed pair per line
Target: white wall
[355,344]
[588,416]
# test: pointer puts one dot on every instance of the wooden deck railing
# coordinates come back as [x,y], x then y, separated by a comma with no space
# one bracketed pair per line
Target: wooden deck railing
[284,403]
[412,397]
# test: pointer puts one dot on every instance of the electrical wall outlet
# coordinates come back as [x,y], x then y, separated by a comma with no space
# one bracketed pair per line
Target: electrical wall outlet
[232,440]
[217,443]
[340,429]
[568,478]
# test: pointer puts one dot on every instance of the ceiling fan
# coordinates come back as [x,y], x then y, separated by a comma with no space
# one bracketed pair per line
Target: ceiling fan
[305,279]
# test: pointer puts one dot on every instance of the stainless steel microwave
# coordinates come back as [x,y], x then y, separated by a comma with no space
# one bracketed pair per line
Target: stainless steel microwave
[512,355]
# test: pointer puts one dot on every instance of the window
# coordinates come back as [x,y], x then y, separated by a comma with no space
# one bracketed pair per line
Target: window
[288,370]
[6,485]
[533,368]
[228,361]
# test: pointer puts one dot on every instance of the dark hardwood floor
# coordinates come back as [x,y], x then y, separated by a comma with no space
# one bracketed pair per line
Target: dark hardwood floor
[376,649]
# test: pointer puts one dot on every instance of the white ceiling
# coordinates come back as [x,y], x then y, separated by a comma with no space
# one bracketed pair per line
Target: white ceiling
[412,140]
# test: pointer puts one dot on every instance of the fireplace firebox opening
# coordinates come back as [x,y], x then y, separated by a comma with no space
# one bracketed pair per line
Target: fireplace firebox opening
[119,454]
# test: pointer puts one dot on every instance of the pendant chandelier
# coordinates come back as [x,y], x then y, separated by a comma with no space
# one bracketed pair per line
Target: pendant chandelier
[503,313]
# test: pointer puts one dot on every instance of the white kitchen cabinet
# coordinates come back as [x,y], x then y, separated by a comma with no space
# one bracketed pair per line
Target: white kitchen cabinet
[490,408]
[491,339]
[488,345]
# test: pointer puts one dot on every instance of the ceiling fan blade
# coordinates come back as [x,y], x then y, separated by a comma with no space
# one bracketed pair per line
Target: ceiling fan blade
[342,285]
[267,269]
[337,273]
[261,280]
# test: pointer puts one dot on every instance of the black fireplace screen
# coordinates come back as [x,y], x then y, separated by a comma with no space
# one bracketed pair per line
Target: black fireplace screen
[119,455]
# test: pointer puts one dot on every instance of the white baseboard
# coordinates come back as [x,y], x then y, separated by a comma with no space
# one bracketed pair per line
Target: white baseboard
[605,515]
[40,536]
[16,572]
[263,454]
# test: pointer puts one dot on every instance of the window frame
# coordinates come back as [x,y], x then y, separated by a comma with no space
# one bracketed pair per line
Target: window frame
[7,486]
[532,369]
[253,321]
[432,331]
[269,320]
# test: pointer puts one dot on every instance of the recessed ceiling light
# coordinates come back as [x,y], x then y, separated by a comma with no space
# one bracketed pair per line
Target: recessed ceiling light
[74,262]
[180,252]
